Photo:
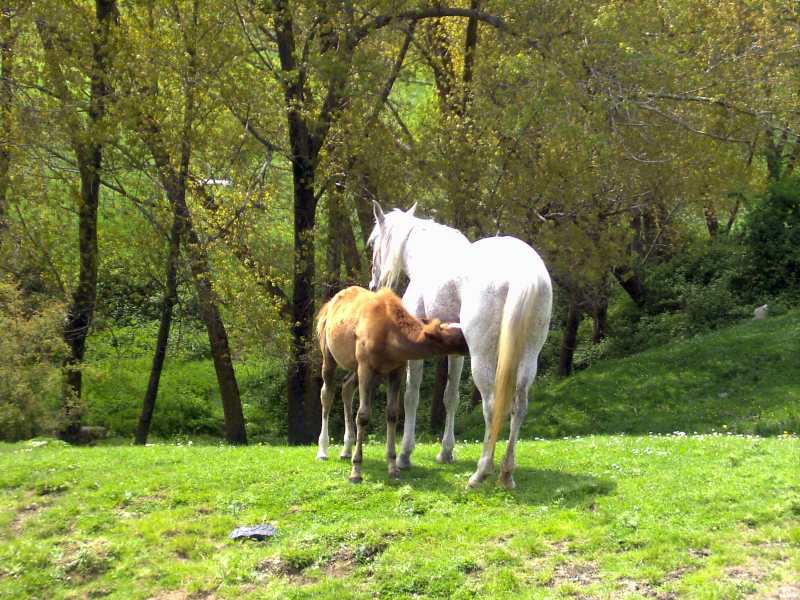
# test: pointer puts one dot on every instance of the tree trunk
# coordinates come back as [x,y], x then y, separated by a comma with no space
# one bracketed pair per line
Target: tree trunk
[333,250]
[437,402]
[217,335]
[89,154]
[712,223]
[568,341]
[599,319]
[81,310]
[632,283]
[6,100]
[167,304]
[304,409]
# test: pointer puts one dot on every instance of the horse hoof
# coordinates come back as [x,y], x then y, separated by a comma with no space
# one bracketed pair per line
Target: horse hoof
[394,475]
[445,458]
[507,481]
[322,457]
[356,479]
[344,456]
[404,462]
[476,480]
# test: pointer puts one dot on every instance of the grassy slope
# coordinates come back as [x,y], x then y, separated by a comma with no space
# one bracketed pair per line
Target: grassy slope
[744,378]
[607,517]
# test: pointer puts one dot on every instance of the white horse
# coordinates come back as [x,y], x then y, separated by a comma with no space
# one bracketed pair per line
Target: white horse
[499,290]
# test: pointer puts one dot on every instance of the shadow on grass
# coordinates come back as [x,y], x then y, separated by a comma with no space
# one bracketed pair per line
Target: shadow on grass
[534,486]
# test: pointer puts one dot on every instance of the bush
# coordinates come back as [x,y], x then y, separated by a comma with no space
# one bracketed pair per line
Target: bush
[30,373]
[772,236]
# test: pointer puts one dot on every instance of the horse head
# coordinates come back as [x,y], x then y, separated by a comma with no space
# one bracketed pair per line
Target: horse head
[387,239]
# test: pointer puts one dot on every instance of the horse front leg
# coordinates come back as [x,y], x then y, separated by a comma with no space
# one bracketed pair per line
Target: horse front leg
[410,403]
[348,390]
[455,364]
[392,408]
[366,385]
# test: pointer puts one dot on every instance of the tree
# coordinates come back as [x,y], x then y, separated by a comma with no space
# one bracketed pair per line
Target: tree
[319,42]
[88,136]
[174,173]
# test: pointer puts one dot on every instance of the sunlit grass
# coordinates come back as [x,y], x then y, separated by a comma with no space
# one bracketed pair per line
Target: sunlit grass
[645,516]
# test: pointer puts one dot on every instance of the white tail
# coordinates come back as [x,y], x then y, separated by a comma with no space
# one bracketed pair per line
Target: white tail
[515,331]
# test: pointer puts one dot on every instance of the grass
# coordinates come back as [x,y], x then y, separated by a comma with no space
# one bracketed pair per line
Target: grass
[743,379]
[624,514]
[711,516]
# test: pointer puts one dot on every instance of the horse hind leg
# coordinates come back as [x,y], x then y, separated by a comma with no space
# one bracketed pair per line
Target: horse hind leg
[410,404]
[348,389]
[455,364]
[519,410]
[326,395]
[484,381]
[366,387]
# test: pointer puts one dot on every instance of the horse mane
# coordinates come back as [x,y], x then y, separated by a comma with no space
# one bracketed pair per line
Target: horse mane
[397,227]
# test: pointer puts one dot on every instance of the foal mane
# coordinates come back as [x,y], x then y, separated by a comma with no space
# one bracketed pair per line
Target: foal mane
[407,323]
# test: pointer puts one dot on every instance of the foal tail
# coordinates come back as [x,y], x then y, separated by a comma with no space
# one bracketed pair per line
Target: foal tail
[515,333]
[322,317]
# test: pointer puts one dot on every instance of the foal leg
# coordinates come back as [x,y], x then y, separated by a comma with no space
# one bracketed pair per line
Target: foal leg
[366,385]
[410,403]
[326,398]
[455,364]
[518,412]
[348,388]
[392,402]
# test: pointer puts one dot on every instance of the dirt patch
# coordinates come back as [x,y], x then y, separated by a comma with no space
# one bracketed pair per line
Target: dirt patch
[699,553]
[750,573]
[341,564]
[277,567]
[676,574]
[790,591]
[582,574]
[25,514]
[632,586]
[183,595]
[85,561]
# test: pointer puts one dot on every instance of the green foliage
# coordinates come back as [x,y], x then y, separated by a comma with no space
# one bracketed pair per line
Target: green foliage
[772,235]
[32,349]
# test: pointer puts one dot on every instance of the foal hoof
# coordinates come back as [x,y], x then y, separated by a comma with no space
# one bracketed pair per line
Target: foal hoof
[355,479]
[445,457]
[404,461]
[507,481]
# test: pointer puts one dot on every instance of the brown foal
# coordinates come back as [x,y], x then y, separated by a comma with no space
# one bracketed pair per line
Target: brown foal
[371,334]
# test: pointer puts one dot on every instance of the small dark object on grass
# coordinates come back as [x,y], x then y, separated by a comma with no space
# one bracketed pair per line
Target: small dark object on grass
[254,532]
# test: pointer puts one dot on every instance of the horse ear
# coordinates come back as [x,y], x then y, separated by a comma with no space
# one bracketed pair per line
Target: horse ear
[410,211]
[378,212]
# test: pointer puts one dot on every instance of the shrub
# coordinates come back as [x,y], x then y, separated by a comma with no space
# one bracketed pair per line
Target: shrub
[772,235]
[30,373]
